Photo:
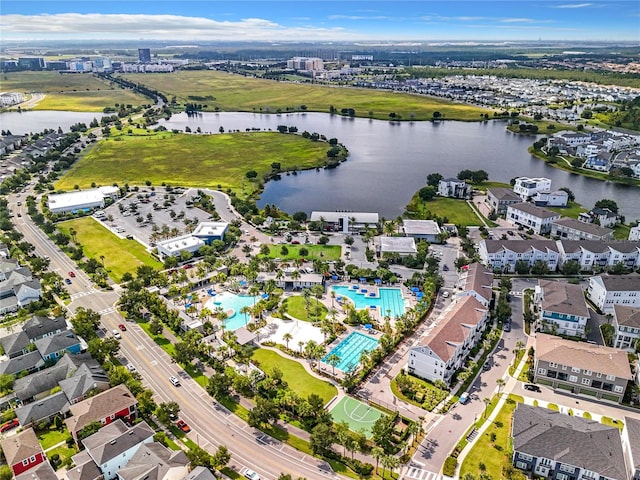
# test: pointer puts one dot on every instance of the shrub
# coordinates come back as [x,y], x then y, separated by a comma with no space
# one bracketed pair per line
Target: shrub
[449,468]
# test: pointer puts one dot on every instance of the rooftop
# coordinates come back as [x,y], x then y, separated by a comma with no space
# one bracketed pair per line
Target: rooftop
[504,194]
[563,297]
[72,199]
[627,316]
[520,246]
[20,446]
[99,407]
[479,280]
[620,283]
[590,228]
[334,217]
[398,245]
[180,243]
[420,227]
[210,229]
[599,246]
[531,209]
[586,356]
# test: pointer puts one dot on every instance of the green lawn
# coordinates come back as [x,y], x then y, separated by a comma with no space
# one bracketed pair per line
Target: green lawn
[49,438]
[490,184]
[84,93]
[120,255]
[572,210]
[455,211]
[64,452]
[192,160]
[294,374]
[296,307]
[425,395]
[493,454]
[240,93]
[621,232]
[324,252]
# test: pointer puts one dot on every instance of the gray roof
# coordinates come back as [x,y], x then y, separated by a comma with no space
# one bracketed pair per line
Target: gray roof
[85,468]
[43,471]
[531,209]
[23,362]
[520,246]
[115,439]
[84,379]
[504,194]
[420,227]
[590,228]
[632,426]
[627,316]
[621,283]
[43,408]
[56,343]
[571,440]
[43,380]
[14,343]
[38,326]
[200,473]
[599,246]
[563,297]
[398,245]
[152,461]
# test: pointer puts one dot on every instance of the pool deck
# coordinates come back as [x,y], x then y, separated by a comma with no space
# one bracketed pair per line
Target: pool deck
[408,298]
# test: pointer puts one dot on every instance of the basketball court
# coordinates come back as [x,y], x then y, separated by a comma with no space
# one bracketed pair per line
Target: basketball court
[357,414]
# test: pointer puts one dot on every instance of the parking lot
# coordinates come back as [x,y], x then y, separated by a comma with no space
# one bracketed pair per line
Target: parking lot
[152,215]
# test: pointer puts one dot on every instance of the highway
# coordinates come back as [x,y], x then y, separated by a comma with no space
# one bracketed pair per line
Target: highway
[212,425]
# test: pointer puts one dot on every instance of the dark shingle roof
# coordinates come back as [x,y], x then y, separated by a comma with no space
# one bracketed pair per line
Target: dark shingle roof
[23,362]
[38,326]
[531,209]
[14,343]
[115,439]
[571,440]
[39,382]
[621,283]
[43,408]
[520,246]
[632,426]
[44,471]
[56,343]
[152,461]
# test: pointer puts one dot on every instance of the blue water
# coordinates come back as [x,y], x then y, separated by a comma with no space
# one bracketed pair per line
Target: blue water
[228,301]
[350,349]
[390,301]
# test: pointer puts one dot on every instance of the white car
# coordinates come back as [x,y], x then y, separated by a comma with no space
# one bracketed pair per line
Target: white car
[250,474]
[174,381]
[131,367]
[116,334]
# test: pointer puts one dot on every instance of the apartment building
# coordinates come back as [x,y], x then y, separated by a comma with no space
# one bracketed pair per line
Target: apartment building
[605,291]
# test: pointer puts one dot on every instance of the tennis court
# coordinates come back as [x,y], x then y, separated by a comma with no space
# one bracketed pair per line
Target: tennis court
[358,415]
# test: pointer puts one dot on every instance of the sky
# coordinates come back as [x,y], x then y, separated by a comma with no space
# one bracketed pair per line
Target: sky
[189,21]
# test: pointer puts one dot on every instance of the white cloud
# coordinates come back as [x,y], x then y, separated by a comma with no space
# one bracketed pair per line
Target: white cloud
[362,17]
[573,5]
[121,26]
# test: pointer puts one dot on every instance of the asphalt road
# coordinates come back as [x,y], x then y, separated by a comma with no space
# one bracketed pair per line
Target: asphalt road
[211,424]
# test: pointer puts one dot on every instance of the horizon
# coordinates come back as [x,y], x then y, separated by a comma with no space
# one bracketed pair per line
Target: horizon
[281,21]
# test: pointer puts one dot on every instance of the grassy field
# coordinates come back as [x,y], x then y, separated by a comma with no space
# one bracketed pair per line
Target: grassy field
[324,252]
[192,160]
[294,374]
[120,255]
[492,453]
[239,93]
[296,307]
[456,211]
[572,210]
[69,92]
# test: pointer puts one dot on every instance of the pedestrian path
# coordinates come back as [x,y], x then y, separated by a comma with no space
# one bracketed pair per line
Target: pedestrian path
[422,474]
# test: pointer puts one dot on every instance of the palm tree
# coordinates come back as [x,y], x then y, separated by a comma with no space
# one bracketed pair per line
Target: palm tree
[501,383]
[333,360]
[306,293]
[391,462]
[414,430]
[519,345]
[377,453]
[486,401]
[300,345]
[286,337]
[246,310]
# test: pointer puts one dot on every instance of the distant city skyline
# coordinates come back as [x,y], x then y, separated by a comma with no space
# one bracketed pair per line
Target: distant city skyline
[321,21]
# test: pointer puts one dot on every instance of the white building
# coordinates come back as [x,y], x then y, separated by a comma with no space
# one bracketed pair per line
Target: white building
[605,291]
[531,217]
[402,246]
[175,246]
[345,222]
[454,188]
[595,254]
[422,229]
[147,68]
[441,352]
[477,282]
[291,279]
[210,231]
[80,66]
[503,254]
[563,309]
[634,233]
[305,63]
[81,200]
[572,229]
[559,198]
[626,321]
[528,187]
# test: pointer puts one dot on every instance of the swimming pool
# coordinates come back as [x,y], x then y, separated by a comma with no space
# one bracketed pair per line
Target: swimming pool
[350,349]
[389,302]
[230,301]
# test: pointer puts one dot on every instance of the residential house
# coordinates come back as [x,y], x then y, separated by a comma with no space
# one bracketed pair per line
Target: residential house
[574,139]
[631,446]
[43,410]
[39,384]
[558,198]
[581,368]
[84,468]
[527,187]
[16,344]
[155,461]
[563,309]
[345,222]
[117,402]
[29,363]
[86,380]
[529,216]
[454,188]
[572,229]
[114,445]
[626,321]
[503,254]
[38,327]
[598,255]
[500,198]
[23,451]
[55,346]
[396,247]
[550,444]
[476,281]
[600,216]
[200,473]
[634,234]
[17,288]
[441,352]
[422,230]
[43,471]
[605,291]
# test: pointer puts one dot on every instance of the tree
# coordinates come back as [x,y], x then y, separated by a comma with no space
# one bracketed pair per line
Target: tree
[89,430]
[377,453]
[102,349]
[168,411]
[321,439]
[382,433]
[221,458]
[500,383]
[433,179]
[85,323]
[607,203]
[287,337]
[263,413]
[522,267]
[571,195]
[6,382]
[427,193]
[540,267]
[146,405]
[333,360]
[486,401]
[572,267]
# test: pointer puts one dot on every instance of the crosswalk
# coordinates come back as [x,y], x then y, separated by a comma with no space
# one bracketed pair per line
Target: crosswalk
[422,474]
[107,311]
[80,294]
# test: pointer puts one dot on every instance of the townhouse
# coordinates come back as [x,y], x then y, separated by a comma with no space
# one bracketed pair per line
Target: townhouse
[477,282]
[631,446]
[581,368]
[18,288]
[572,229]
[54,347]
[529,216]
[503,254]
[605,291]
[626,321]
[500,198]
[563,309]
[441,352]
[556,446]
[154,460]
[601,216]
[594,254]
[23,451]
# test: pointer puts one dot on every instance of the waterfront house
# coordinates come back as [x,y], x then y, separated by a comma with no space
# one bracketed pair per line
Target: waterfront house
[562,308]
[396,246]
[600,216]
[503,254]
[605,291]
[554,445]
[345,222]
[527,187]
[453,188]
[529,216]
[22,451]
[581,368]
[558,198]
[500,198]
[572,229]
[422,230]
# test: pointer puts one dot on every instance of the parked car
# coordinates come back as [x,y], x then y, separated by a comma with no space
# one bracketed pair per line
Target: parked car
[122,327]
[72,275]
[486,366]
[445,268]
[464,398]
[131,367]
[9,425]
[250,474]
[532,388]
[67,281]
[183,426]
[116,334]
[510,232]
[174,381]
[506,326]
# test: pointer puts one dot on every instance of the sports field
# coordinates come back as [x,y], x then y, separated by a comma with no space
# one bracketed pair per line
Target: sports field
[358,415]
